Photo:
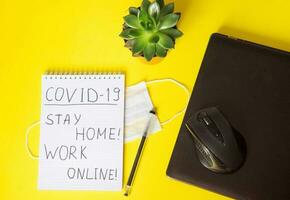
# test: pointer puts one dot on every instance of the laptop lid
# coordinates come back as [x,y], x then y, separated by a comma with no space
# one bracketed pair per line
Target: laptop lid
[250,84]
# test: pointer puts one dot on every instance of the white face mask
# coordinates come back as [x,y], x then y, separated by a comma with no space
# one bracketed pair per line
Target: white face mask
[137,107]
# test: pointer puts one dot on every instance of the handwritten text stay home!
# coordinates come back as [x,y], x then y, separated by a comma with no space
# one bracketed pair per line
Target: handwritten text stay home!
[60,96]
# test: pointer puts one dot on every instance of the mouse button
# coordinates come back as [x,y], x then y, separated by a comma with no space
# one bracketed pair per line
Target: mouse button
[190,124]
[228,134]
[206,139]
[202,117]
[230,153]
[194,129]
[230,146]
[204,157]
[191,121]
[205,120]
[198,130]
[202,133]
[223,126]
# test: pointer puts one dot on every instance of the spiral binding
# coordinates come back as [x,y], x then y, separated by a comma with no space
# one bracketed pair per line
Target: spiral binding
[83,75]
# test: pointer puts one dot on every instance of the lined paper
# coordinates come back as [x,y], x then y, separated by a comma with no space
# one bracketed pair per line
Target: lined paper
[82,125]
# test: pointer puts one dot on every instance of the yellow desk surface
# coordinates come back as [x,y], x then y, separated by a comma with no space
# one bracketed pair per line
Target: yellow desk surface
[58,35]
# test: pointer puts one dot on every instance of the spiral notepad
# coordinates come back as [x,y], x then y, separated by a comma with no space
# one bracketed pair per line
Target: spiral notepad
[82,123]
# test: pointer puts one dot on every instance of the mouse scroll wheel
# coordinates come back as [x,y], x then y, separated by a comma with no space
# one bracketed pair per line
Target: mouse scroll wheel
[207,121]
[202,117]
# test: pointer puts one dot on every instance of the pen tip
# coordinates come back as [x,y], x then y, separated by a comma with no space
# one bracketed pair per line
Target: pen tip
[127,191]
[153,111]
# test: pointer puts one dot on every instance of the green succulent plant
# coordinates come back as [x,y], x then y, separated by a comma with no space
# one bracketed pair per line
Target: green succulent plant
[150,30]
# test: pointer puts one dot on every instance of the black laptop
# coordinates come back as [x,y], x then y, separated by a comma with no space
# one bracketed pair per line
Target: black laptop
[250,84]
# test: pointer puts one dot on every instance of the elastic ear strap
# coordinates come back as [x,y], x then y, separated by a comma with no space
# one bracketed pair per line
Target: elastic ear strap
[185,89]
[28,130]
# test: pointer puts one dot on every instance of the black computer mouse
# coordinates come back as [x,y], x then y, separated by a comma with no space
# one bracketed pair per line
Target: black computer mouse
[219,147]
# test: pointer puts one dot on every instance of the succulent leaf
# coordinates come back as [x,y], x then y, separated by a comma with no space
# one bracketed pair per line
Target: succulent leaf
[154,10]
[145,5]
[126,34]
[172,32]
[149,51]
[160,2]
[168,21]
[154,38]
[150,30]
[134,33]
[134,11]
[178,13]
[129,44]
[165,41]
[145,20]
[132,21]
[143,15]
[160,51]
[138,45]
[167,9]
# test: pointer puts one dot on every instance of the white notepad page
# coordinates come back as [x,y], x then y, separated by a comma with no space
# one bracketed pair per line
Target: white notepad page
[81,141]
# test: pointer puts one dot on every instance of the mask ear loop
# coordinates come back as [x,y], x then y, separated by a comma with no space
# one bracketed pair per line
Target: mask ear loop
[185,89]
[28,130]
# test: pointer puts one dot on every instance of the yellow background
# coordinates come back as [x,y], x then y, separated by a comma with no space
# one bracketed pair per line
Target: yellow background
[82,35]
